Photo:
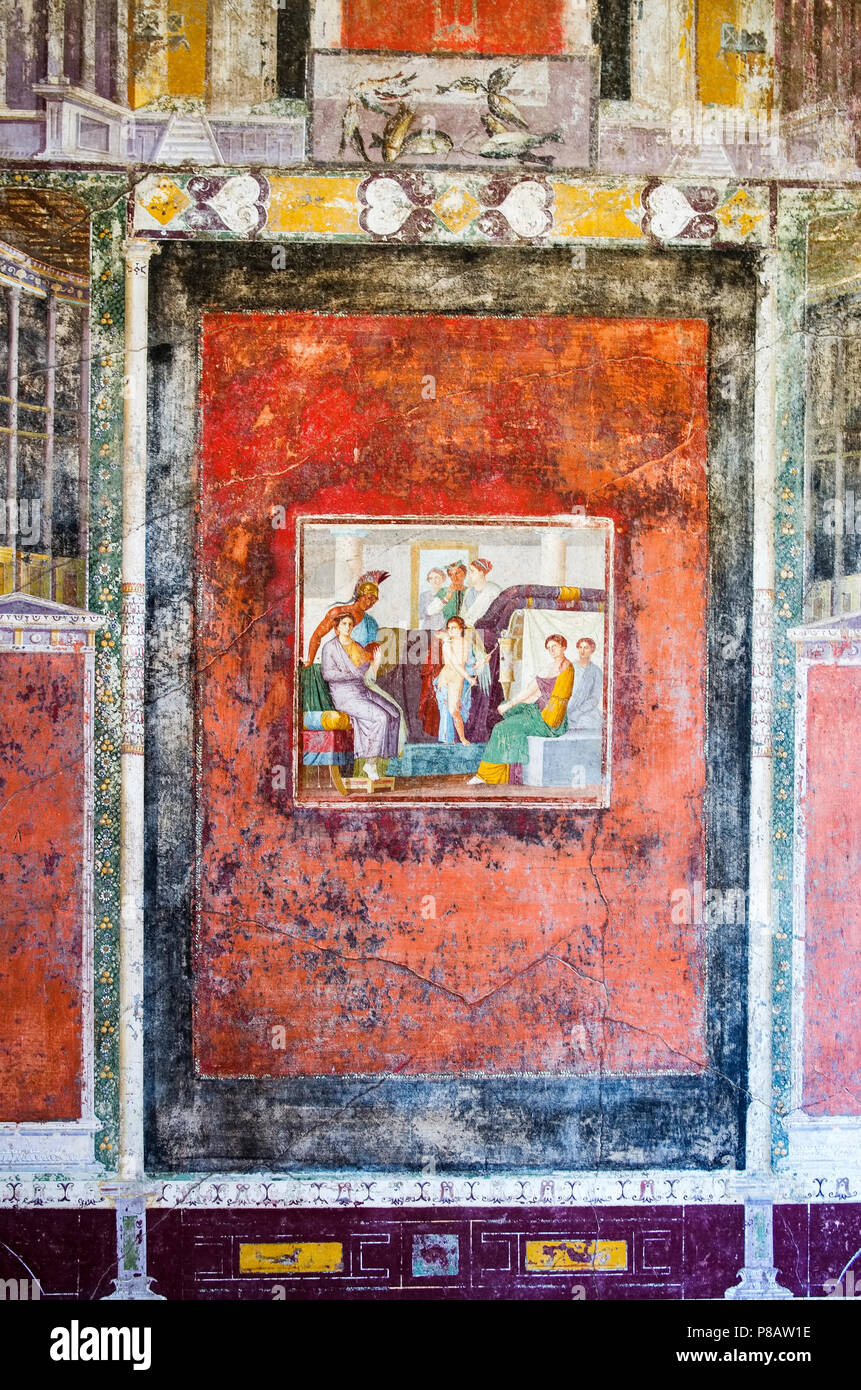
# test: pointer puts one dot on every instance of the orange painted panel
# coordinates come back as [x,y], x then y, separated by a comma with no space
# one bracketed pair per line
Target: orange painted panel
[455,26]
[553,947]
[41,867]
[832,1070]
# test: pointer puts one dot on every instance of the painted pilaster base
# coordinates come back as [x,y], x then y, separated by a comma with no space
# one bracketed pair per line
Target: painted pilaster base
[758,1283]
[132,1281]
[758,1277]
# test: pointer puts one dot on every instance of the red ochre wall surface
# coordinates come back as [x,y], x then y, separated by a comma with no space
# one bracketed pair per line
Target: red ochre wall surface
[41,867]
[553,948]
[455,26]
[832,909]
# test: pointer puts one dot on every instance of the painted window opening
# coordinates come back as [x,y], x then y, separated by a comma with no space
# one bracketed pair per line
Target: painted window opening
[44,402]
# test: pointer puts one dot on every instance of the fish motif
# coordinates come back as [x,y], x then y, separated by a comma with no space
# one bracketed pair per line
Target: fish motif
[515,144]
[374,94]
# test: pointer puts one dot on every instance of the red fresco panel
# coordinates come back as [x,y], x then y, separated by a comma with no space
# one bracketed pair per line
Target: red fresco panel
[553,947]
[832,1070]
[455,26]
[41,863]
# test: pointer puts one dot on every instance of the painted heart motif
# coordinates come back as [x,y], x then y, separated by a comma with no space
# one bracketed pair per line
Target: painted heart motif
[387,206]
[670,212]
[526,209]
[238,204]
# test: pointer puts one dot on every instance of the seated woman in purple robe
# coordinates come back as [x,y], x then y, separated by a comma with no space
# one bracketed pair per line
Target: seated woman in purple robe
[350,671]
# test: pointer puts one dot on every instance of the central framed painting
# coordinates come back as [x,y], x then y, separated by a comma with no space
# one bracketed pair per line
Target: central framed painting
[453,660]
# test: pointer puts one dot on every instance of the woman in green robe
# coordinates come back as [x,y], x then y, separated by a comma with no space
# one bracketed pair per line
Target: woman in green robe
[540,711]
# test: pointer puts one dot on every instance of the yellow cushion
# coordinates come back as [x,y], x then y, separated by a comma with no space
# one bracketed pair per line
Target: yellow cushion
[334,719]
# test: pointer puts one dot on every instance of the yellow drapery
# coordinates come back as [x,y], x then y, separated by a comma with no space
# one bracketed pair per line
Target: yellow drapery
[554,711]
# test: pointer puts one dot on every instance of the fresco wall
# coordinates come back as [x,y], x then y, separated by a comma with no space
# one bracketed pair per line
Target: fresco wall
[293,953]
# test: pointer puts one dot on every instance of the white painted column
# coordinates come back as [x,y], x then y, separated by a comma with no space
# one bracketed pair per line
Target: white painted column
[578,24]
[50,400]
[131,1157]
[326,23]
[88,46]
[121,67]
[758,1277]
[13,298]
[758,87]
[762,760]
[839,469]
[5,23]
[242,54]
[654,46]
[128,1192]
[680,49]
[553,546]
[349,554]
[56,40]
[84,448]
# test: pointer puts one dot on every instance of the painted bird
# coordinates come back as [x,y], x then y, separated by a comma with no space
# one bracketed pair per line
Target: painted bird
[501,105]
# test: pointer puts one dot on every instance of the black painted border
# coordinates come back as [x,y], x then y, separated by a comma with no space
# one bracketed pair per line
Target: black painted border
[508,1124]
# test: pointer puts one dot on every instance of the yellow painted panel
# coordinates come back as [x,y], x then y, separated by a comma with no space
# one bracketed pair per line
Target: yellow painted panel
[297,1257]
[186,52]
[569,1256]
[717,73]
[596,212]
[313,203]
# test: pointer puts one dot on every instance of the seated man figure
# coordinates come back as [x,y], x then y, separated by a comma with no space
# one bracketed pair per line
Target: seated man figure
[540,710]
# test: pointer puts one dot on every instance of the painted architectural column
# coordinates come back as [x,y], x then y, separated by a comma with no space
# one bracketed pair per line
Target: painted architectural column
[349,550]
[839,470]
[84,442]
[137,253]
[121,64]
[578,24]
[758,1277]
[5,22]
[13,296]
[56,23]
[663,75]
[242,57]
[132,1281]
[762,696]
[88,45]
[50,400]
[553,545]
[149,53]
[326,24]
